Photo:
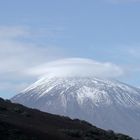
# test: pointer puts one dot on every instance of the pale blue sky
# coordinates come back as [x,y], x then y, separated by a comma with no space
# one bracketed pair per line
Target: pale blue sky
[33,32]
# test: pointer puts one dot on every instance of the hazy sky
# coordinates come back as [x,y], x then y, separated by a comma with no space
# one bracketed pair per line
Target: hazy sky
[34,32]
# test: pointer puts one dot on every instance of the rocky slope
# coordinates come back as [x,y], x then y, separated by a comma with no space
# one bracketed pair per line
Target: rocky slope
[21,123]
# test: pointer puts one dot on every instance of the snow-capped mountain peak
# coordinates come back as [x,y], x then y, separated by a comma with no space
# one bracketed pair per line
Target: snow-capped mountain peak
[108,104]
[72,87]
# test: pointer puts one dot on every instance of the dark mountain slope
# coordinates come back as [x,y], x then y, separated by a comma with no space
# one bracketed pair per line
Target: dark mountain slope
[21,123]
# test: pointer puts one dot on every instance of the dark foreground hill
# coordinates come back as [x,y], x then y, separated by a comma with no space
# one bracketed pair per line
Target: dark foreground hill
[21,123]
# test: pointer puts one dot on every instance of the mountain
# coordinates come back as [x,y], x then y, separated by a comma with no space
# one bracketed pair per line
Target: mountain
[21,123]
[108,104]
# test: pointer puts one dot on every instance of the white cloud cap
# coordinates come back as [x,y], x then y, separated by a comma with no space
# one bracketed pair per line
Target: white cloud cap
[77,67]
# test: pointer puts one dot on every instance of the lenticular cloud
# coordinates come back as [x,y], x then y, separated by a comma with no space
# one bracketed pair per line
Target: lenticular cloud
[77,67]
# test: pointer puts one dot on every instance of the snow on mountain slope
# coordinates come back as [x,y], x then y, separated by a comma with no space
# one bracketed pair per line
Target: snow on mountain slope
[71,89]
[105,103]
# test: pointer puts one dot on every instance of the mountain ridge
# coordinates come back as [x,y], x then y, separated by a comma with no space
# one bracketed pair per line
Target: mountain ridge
[107,104]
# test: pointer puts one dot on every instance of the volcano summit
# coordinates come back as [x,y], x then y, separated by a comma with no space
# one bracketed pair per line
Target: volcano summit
[108,104]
